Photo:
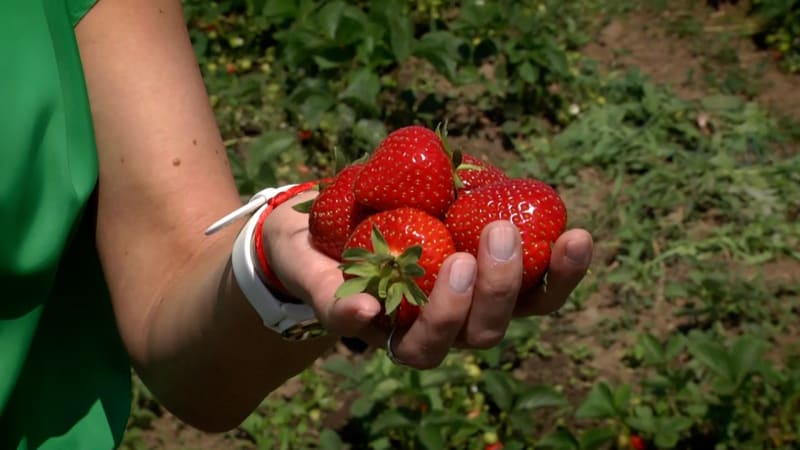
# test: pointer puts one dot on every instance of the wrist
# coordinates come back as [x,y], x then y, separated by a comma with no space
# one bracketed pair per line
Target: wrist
[293,320]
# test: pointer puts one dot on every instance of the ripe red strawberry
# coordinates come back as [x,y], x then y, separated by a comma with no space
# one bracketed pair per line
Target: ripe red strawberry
[409,168]
[335,213]
[533,206]
[475,172]
[637,443]
[395,256]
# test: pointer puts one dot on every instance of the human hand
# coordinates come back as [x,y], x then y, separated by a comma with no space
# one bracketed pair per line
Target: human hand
[471,305]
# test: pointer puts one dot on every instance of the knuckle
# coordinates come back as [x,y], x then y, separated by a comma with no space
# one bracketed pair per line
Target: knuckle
[498,289]
[485,339]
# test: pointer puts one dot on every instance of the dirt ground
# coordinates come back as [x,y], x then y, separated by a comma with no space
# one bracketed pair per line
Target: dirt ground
[646,40]
[652,42]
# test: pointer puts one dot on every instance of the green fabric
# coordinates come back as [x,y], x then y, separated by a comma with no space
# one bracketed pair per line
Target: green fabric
[64,376]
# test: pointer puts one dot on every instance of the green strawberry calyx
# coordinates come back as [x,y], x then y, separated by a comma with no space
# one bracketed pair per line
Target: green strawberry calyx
[456,156]
[383,275]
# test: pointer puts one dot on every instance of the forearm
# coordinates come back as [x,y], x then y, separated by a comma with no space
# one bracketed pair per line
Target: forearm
[208,356]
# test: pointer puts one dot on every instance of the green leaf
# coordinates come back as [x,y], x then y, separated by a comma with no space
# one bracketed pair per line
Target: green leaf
[410,255]
[674,347]
[440,49]
[642,420]
[746,354]
[666,439]
[360,269]
[528,72]
[414,294]
[351,287]
[279,8]
[674,424]
[330,440]
[599,404]
[412,270]
[304,207]
[561,439]
[363,89]
[362,406]
[267,148]
[390,419]
[651,349]
[394,297]
[596,438]
[711,354]
[500,388]
[541,396]
[401,36]
[356,254]
[328,18]
[379,245]
[430,435]
[491,356]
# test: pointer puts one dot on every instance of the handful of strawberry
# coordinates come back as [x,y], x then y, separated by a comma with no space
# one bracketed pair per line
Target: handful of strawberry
[393,219]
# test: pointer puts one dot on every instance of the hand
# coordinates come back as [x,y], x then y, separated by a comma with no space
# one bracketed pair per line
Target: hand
[471,305]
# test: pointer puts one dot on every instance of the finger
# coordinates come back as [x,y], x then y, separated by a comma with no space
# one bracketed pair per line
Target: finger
[572,254]
[312,276]
[497,285]
[430,338]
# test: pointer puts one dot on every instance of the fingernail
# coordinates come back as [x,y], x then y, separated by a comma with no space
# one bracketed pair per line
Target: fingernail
[501,242]
[462,275]
[577,253]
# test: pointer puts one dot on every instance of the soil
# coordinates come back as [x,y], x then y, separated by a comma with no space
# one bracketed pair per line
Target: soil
[649,41]
[645,40]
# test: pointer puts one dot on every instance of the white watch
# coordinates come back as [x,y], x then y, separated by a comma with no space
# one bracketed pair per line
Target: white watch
[293,321]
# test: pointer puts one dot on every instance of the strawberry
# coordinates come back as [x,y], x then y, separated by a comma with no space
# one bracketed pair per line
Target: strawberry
[637,443]
[533,206]
[474,172]
[395,256]
[409,168]
[334,213]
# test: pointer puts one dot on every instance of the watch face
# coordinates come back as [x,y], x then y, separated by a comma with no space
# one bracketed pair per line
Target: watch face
[304,330]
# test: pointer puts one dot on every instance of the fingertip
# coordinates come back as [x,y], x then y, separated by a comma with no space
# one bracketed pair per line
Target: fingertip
[501,240]
[576,248]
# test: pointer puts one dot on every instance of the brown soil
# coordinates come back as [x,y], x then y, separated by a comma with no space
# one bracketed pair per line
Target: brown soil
[650,41]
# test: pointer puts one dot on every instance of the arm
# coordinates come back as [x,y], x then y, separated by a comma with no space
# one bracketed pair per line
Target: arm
[164,177]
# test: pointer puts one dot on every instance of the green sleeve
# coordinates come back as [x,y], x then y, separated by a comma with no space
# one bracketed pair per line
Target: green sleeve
[64,376]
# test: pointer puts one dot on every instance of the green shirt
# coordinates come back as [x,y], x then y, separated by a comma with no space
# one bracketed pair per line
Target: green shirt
[64,375]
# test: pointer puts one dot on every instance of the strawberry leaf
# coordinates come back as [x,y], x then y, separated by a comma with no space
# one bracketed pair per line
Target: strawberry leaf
[304,207]
[383,282]
[379,245]
[470,167]
[356,254]
[394,297]
[412,270]
[339,160]
[351,287]
[414,294]
[441,131]
[410,255]
[360,269]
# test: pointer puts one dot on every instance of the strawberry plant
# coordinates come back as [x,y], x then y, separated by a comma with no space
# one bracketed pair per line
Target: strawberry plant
[780,30]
